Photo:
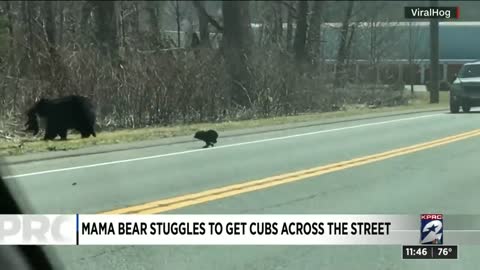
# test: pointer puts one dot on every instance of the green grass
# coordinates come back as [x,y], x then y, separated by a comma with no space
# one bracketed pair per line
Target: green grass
[9,147]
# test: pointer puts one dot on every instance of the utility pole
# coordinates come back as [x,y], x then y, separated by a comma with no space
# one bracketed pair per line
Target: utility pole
[434,55]
[410,57]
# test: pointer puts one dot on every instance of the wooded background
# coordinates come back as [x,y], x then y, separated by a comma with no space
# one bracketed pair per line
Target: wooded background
[150,63]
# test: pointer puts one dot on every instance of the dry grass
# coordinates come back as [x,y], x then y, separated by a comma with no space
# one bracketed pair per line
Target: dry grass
[29,145]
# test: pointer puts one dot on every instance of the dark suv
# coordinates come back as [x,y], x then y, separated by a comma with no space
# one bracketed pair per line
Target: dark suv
[465,89]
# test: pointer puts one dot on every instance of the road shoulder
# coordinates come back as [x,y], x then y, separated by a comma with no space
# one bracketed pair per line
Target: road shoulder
[99,149]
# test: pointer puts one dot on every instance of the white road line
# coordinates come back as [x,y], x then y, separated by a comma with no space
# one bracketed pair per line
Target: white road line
[220,147]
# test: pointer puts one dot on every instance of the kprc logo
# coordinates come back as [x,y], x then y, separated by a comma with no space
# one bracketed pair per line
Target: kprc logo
[431,229]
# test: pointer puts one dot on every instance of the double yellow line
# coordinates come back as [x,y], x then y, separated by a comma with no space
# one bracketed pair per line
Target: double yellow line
[164,205]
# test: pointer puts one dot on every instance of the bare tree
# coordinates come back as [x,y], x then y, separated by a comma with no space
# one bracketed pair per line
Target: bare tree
[50,24]
[86,12]
[107,28]
[10,22]
[61,22]
[271,23]
[177,17]
[154,15]
[288,37]
[201,11]
[237,39]
[342,50]
[299,44]
[314,34]
[413,42]
[203,21]
[383,37]
[27,11]
[278,21]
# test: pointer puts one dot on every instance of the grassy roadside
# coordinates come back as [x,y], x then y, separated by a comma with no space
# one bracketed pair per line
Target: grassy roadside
[30,145]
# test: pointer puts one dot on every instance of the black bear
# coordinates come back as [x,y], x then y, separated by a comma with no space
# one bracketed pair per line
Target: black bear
[209,137]
[62,114]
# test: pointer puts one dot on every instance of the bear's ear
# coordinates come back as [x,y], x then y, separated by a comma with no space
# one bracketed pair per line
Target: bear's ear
[42,102]
[30,112]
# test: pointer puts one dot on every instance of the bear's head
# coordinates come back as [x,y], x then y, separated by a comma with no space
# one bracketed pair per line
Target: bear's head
[199,135]
[32,116]
[32,124]
[41,107]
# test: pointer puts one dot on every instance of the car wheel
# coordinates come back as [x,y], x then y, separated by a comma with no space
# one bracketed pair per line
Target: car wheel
[454,107]
[466,108]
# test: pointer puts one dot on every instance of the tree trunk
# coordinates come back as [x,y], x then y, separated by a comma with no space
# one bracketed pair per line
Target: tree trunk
[177,17]
[27,19]
[61,11]
[373,42]
[49,23]
[278,22]
[315,28]
[135,24]
[106,22]
[153,16]
[8,10]
[121,25]
[28,64]
[86,10]
[349,44]
[342,50]
[144,25]
[58,73]
[410,57]
[237,40]
[299,44]
[289,29]
[203,23]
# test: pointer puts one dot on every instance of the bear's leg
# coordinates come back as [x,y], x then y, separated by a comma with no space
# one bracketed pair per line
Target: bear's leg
[91,130]
[84,134]
[63,134]
[50,133]
[49,137]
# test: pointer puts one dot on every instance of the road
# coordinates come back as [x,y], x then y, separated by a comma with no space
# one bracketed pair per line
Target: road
[440,176]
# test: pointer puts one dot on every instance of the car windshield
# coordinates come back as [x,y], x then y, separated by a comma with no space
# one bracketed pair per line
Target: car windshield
[175,114]
[470,71]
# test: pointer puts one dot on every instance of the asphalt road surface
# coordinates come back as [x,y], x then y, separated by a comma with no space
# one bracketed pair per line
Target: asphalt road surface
[440,173]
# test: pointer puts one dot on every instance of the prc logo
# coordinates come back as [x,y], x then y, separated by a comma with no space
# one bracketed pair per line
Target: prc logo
[431,229]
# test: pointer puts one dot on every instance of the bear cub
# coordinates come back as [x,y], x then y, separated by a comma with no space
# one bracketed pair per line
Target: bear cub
[209,137]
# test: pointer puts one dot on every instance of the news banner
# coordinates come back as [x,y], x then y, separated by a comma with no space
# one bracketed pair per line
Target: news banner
[420,236]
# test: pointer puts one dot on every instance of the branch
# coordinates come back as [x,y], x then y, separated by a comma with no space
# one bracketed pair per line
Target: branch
[289,6]
[203,12]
